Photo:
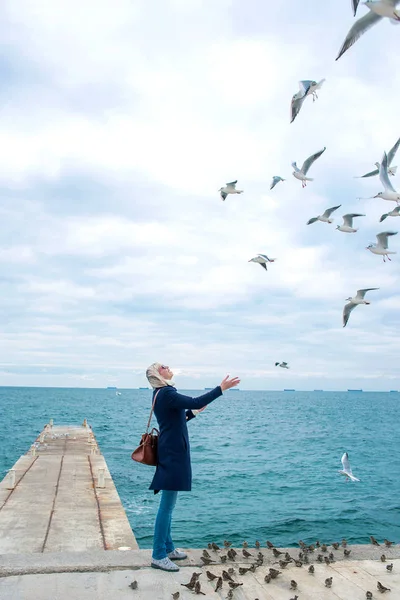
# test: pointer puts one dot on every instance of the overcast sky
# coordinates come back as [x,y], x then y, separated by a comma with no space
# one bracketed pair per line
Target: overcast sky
[119,123]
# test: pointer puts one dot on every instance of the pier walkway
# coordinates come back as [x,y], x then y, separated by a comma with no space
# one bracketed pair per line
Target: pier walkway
[64,536]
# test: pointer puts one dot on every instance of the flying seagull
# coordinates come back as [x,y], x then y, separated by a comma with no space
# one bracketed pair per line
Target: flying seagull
[276,179]
[325,216]
[307,87]
[284,365]
[347,226]
[389,193]
[381,247]
[262,259]
[393,213]
[390,157]
[230,188]
[301,173]
[378,10]
[347,468]
[353,302]
[355,4]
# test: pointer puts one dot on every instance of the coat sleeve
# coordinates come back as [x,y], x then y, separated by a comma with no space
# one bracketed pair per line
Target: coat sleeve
[189,415]
[176,400]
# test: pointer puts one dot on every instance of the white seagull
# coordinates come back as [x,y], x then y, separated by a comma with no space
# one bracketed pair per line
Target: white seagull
[391,170]
[325,216]
[301,173]
[389,193]
[262,259]
[353,302]
[378,10]
[346,471]
[307,87]
[393,213]
[230,188]
[347,226]
[276,179]
[381,247]
[284,365]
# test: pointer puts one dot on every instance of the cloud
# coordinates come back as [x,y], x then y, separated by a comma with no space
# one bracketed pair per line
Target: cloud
[119,125]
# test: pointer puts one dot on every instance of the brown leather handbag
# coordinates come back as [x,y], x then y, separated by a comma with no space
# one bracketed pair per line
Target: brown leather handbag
[146,452]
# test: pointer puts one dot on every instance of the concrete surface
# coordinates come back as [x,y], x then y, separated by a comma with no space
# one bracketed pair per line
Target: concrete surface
[56,505]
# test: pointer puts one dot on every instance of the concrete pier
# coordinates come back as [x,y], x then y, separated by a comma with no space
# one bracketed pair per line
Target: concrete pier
[64,535]
[56,504]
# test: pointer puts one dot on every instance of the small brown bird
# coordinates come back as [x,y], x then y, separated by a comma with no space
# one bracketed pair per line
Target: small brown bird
[133,585]
[206,561]
[328,582]
[227,544]
[257,544]
[234,551]
[231,554]
[383,558]
[269,544]
[229,595]
[223,558]
[267,578]
[274,573]
[301,544]
[293,584]
[335,545]
[317,544]
[346,552]
[283,564]
[381,588]
[260,555]
[243,570]
[294,598]
[209,546]
[368,595]
[245,544]
[215,546]
[233,584]
[219,584]
[306,559]
[311,569]
[288,557]
[374,541]
[327,561]
[175,595]
[211,576]
[206,554]
[252,568]
[298,563]
[259,562]
[331,557]
[389,567]
[197,588]
[311,547]
[190,585]
[344,543]
[301,555]
[324,548]
[231,570]
[320,558]
[245,553]
[277,552]
[226,576]
[387,543]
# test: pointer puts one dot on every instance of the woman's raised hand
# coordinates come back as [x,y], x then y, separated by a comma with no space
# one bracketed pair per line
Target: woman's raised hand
[227,383]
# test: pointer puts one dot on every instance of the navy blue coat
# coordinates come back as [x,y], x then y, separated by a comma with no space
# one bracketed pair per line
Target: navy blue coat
[174,471]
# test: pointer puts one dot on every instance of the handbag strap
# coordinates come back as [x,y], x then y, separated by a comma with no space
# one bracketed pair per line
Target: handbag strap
[151,412]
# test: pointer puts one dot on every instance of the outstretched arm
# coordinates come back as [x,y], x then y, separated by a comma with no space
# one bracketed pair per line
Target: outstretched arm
[176,400]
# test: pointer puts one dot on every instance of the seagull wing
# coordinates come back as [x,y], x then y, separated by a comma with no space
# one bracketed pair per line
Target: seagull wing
[283,364]
[329,211]
[264,266]
[223,195]
[383,174]
[348,219]
[392,152]
[383,238]
[346,463]
[346,314]
[310,160]
[232,183]
[371,173]
[264,256]
[358,29]
[297,103]
[274,181]
[361,293]
[355,4]
[305,86]
[313,220]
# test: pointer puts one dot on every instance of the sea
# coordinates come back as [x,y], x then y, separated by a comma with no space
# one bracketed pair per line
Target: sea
[265,464]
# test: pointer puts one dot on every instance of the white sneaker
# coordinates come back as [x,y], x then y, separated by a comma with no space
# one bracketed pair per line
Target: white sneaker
[165,564]
[177,555]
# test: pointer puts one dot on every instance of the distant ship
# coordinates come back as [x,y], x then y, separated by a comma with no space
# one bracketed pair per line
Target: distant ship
[393,391]
[318,390]
[208,388]
[144,388]
[355,390]
[234,389]
[289,390]
[112,387]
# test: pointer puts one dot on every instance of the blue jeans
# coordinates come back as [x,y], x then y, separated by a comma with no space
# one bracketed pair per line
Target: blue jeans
[163,543]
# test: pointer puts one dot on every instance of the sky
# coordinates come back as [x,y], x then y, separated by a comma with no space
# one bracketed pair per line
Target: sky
[119,124]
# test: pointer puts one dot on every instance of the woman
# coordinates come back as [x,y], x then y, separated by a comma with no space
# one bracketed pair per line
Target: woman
[173,473]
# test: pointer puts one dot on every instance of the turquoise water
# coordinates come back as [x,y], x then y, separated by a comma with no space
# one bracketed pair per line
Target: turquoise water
[264,463]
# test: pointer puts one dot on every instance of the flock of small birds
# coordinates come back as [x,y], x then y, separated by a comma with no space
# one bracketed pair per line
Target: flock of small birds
[377,10]
[227,579]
